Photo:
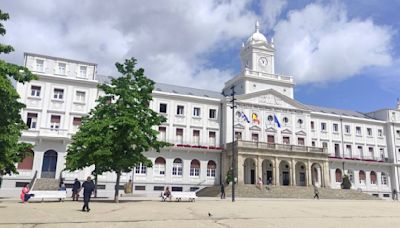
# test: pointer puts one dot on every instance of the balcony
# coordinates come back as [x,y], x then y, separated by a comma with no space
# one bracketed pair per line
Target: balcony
[358,157]
[193,145]
[277,147]
[47,133]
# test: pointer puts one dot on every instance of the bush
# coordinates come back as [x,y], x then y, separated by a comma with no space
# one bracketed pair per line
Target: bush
[229,177]
[346,184]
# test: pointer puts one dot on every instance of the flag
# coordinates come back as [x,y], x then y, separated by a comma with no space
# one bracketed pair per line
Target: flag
[277,121]
[245,117]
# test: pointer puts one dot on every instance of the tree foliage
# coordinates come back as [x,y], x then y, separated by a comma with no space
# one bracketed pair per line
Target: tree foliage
[120,128]
[346,183]
[11,150]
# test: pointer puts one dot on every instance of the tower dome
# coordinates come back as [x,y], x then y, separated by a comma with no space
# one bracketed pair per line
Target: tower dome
[257,36]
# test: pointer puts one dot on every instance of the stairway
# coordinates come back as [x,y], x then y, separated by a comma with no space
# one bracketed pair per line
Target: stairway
[251,191]
[46,184]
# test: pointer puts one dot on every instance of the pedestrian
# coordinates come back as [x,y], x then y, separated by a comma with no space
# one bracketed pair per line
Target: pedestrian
[259,183]
[25,196]
[316,192]
[88,188]
[394,195]
[222,191]
[76,188]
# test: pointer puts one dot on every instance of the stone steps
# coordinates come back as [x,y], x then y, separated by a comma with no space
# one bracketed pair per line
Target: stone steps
[46,184]
[251,191]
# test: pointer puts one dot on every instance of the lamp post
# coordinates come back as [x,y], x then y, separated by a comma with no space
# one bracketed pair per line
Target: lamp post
[233,142]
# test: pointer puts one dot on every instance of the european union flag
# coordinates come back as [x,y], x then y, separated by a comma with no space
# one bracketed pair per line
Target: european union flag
[277,121]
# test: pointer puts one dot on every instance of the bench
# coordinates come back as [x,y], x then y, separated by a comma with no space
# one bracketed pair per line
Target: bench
[179,196]
[60,195]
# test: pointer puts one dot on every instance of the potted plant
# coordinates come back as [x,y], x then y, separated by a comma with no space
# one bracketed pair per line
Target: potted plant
[346,184]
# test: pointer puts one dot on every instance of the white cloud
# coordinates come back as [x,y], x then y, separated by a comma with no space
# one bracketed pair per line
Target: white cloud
[271,10]
[320,43]
[170,39]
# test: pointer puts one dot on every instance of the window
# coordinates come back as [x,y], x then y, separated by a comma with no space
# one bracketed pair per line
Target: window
[27,162]
[180,110]
[39,65]
[358,131]
[347,129]
[369,131]
[270,118]
[312,125]
[286,140]
[300,122]
[371,152]
[382,153]
[238,135]
[80,96]
[61,68]
[58,94]
[348,150]
[162,134]
[384,179]
[31,120]
[212,138]
[351,175]
[196,112]
[313,143]
[323,126]
[194,168]
[300,141]
[35,91]
[140,169]
[270,139]
[335,127]
[159,167]
[380,132]
[338,174]
[372,177]
[179,135]
[196,137]
[360,150]
[82,71]
[398,133]
[361,177]
[76,122]
[211,167]
[254,137]
[213,114]
[285,120]
[177,167]
[324,145]
[337,150]
[55,122]
[163,108]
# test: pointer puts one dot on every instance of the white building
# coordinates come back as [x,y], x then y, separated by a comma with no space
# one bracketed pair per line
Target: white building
[277,138]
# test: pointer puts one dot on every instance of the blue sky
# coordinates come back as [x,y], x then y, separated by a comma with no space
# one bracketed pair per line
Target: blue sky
[342,54]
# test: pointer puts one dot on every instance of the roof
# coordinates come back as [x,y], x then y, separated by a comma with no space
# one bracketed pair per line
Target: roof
[161,87]
[335,111]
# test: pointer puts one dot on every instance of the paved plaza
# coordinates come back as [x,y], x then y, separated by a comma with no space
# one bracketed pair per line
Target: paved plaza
[144,212]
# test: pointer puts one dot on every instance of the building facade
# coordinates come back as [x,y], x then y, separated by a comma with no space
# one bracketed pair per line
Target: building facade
[270,135]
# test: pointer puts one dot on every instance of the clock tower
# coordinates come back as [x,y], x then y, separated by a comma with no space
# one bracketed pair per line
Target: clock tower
[257,58]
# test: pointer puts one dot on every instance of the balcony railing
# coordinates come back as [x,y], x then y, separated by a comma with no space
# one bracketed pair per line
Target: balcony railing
[361,157]
[193,144]
[276,146]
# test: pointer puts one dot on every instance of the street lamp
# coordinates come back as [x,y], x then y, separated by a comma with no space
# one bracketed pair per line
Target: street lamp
[233,142]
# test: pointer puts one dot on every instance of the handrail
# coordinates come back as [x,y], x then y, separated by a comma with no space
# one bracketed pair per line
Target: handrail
[33,180]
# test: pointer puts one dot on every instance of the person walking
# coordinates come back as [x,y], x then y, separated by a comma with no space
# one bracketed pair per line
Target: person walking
[316,192]
[88,188]
[76,188]
[394,195]
[222,191]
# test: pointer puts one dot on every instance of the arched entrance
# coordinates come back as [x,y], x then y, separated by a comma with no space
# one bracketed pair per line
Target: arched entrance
[267,172]
[284,171]
[301,174]
[49,164]
[316,175]
[249,171]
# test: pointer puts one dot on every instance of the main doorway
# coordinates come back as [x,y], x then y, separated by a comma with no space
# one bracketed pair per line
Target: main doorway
[49,164]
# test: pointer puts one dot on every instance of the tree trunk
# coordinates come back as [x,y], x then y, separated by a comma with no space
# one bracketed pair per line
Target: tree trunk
[95,185]
[116,199]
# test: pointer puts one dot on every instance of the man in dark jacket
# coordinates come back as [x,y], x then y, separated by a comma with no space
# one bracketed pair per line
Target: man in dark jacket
[76,189]
[88,188]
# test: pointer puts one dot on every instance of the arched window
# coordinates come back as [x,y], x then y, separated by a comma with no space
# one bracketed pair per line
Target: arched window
[270,118]
[372,177]
[285,120]
[195,168]
[338,173]
[211,167]
[384,179]
[140,169]
[159,166]
[27,163]
[361,176]
[177,167]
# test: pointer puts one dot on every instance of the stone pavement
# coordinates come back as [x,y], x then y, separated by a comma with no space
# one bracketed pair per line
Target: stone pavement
[144,212]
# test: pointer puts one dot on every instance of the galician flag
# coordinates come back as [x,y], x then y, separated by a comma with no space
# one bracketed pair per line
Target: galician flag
[277,121]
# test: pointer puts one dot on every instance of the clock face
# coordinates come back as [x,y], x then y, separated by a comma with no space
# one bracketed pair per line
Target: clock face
[263,61]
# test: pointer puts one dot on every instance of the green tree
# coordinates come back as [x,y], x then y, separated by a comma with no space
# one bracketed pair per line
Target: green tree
[11,150]
[346,183]
[120,128]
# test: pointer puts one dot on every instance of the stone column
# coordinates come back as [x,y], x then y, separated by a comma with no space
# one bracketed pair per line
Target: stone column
[293,173]
[309,176]
[276,172]
[259,169]
[240,171]
[326,173]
